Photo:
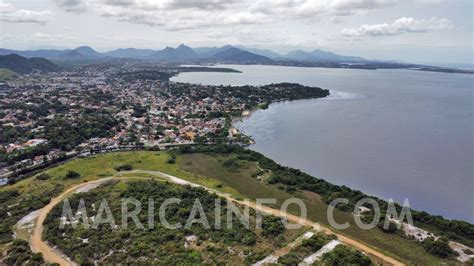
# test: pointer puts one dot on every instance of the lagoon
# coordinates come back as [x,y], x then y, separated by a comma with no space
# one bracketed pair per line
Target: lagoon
[398,134]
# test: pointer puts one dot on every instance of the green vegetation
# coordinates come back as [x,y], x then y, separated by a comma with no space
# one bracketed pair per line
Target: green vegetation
[7,74]
[172,159]
[123,167]
[343,255]
[208,161]
[43,176]
[144,75]
[20,64]
[72,175]
[207,69]
[456,230]
[307,247]
[438,247]
[160,244]
[249,179]
[14,205]
[18,253]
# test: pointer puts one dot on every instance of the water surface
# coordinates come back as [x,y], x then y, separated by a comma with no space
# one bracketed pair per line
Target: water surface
[391,133]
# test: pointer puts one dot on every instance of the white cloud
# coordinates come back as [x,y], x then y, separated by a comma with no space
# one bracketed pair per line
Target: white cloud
[8,13]
[186,14]
[6,7]
[400,26]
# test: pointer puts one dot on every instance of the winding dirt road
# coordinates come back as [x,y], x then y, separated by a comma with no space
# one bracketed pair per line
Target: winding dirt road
[53,256]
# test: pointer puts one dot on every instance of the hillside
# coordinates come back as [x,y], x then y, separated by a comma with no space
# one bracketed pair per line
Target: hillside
[24,65]
[181,52]
[130,53]
[6,74]
[233,54]
[319,55]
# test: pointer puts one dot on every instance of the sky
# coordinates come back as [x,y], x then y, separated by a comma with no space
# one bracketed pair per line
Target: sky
[421,31]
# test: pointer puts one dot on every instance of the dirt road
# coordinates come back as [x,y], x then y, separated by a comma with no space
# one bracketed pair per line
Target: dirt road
[53,256]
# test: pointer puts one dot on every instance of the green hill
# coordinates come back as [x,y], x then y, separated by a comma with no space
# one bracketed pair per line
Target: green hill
[25,65]
[6,74]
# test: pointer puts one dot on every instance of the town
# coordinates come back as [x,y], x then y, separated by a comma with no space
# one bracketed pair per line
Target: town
[49,117]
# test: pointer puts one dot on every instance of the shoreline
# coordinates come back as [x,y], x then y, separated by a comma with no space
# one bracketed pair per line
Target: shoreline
[252,111]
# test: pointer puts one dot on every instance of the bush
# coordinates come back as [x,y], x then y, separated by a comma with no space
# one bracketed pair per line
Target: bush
[342,255]
[439,248]
[172,159]
[392,227]
[124,167]
[43,176]
[272,226]
[72,175]
[289,259]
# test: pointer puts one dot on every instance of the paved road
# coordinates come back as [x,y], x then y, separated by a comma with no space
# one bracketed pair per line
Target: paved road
[51,255]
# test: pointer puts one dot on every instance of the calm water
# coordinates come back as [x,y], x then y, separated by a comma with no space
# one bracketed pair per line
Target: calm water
[391,133]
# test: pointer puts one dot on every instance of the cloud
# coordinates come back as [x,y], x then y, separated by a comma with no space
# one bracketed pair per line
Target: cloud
[8,13]
[73,6]
[6,7]
[188,14]
[361,4]
[400,26]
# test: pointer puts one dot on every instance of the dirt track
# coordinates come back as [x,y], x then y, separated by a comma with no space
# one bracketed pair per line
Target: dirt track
[53,256]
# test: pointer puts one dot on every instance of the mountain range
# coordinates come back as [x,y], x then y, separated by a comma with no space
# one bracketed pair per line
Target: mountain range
[225,53]
[204,55]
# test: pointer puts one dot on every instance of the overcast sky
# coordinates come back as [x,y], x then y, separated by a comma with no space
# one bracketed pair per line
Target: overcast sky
[410,30]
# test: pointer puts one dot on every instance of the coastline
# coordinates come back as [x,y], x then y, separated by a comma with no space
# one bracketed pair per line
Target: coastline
[248,113]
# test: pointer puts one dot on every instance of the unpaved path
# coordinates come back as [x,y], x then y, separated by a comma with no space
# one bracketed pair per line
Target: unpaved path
[52,256]
[37,244]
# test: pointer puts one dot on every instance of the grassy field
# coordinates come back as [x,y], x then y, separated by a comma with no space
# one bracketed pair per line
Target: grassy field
[6,74]
[240,181]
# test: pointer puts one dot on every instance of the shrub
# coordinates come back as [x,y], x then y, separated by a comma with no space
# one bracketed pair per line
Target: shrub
[439,248]
[72,175]
[392,227]
[272,226]
[172,159]
[342,255]
[123,167]
[43,176]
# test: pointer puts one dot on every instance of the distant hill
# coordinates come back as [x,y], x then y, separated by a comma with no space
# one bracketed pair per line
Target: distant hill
[72,54]
[130,53]
[183,52]
[87,51]
[209,52]
[319,55]
[25,65]
[233,54]
[205,50]
[263,52]
[179,53]
[45,53]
